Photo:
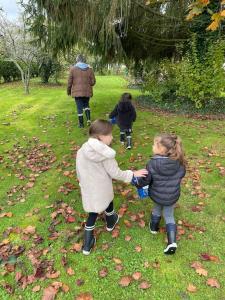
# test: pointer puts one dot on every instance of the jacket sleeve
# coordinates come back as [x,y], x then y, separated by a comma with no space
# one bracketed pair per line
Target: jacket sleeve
[134,114]
[70,83]
[112,168]
[114,113]
[92,78]
[143,181]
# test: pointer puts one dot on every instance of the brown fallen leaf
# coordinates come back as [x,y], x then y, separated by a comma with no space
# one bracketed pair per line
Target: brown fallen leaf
[53,275]
[138,248]
[29,229]
[128,238]
[84,296]
[70,271]
[196,265]
[206,256]
[77,247]
[117,260]
[136,275]
[103,272]
[65,288]
[115,233]
[49,293]
[125,281]
[144,285]
[79,282]
[201,271]
[118,268]
[191,288]
[141,223]
[36,288]
[213,283]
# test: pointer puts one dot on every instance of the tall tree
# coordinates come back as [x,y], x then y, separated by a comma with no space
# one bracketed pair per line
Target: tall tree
[15,42]
[133,28]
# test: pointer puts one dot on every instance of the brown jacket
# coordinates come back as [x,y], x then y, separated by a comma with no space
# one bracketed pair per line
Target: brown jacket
[80,82]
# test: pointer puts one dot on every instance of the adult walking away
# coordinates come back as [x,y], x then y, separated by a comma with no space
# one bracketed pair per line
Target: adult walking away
[80,82]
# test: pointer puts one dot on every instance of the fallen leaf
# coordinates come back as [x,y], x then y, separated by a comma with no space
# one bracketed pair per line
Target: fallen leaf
[103,272]
[136,275]
[201,271]
[49,293]
[213,283]
[84,296]
[115,233]
[36,288]
[29,230]
[128,238]
[196,265]
[70,219]
[53,275]
[206,256]
[70,271]
[191,288]
[117,260]
[138,248]
[144,285]
[79,282]
[119,268]
[125,281]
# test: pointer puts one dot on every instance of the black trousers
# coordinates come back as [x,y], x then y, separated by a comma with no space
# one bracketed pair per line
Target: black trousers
[93,216]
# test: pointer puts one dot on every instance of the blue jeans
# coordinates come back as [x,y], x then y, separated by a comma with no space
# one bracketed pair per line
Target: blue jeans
[168,212]
[82,104]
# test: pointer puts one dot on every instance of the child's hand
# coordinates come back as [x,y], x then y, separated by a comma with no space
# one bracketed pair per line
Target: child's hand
[140,173]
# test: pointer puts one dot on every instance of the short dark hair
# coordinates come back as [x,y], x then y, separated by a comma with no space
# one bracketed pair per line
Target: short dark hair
[100,127]
[81,58]
[126,97]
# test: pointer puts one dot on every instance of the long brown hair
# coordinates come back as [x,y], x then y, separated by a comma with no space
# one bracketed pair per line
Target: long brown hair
[173,146]
[100,127]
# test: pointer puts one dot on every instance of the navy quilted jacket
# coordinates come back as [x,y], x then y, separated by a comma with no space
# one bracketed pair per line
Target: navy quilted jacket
[164,178]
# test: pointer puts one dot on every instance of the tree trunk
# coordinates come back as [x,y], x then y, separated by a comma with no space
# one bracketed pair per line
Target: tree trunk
[27,82]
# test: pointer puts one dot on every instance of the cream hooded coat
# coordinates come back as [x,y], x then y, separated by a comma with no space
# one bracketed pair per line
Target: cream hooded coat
[96,167]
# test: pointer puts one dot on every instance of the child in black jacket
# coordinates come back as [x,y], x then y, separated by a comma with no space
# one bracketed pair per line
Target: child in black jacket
[125,115]
[165,171]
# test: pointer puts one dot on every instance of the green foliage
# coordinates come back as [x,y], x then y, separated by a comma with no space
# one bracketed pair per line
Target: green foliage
[160,83]
[49,66]
[8,71]
[202,81]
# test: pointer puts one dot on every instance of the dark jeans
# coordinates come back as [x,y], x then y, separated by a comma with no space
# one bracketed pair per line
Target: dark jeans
[82,104]
[93,216]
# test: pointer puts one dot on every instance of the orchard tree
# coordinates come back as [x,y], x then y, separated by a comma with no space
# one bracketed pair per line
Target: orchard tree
[16,45]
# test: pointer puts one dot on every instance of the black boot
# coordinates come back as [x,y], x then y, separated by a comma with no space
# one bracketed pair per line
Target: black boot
[154,223]
[122,137]
[88,116]
[111,220]
[171,230]
[129,144]
[81,122]
[89,241]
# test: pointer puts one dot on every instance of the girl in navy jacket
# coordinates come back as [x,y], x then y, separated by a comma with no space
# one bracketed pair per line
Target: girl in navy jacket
[165,172]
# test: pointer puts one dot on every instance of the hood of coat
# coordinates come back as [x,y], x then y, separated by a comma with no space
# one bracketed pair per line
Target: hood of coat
[82,66]
[97,151]
[124,106]
[165,166]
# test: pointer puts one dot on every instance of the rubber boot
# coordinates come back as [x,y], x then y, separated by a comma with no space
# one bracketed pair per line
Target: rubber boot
[112,219]
[89,241]
[171,230]
[154,224]
[129,140]
[80,122]
[88,116]
[122,137]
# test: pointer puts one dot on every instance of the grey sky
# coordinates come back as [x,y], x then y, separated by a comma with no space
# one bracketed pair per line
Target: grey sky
[11,8]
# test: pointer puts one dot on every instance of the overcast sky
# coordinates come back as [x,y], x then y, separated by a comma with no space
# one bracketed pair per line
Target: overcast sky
[11,8]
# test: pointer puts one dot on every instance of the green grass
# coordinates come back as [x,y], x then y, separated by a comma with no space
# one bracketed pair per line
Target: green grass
[50,116]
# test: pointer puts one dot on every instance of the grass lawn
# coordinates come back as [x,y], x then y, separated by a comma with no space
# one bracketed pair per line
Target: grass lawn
[41,213]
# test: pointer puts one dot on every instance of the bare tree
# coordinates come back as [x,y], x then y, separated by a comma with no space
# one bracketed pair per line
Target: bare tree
[16,43]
